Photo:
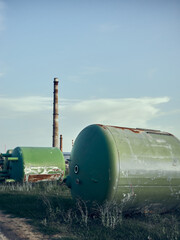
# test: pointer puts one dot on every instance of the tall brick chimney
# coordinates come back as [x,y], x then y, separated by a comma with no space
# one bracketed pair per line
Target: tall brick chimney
[55,115]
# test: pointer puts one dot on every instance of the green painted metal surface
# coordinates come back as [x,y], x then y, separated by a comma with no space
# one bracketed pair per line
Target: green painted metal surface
[36,164]
[137,167]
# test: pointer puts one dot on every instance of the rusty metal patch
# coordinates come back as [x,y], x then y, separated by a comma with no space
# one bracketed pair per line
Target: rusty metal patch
[37,174]
[43,177]
[137,130]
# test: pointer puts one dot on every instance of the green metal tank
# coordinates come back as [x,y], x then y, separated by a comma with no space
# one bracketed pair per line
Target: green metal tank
[136,167]
[33,164]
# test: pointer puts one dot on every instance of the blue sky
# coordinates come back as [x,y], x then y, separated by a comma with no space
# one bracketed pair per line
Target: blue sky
[117,62]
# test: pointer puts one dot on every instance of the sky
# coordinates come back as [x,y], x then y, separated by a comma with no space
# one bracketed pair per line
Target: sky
[118,63]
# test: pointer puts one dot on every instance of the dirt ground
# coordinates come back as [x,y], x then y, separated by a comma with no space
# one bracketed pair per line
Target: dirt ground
[13,228]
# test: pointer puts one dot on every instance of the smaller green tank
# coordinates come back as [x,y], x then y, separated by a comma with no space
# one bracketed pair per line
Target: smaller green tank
[34,164]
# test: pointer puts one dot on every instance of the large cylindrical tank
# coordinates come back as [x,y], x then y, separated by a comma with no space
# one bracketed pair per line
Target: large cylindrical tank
[137,167]
[35,164]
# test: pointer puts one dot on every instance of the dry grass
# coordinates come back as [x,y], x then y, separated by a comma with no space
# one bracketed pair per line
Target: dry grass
[52,211]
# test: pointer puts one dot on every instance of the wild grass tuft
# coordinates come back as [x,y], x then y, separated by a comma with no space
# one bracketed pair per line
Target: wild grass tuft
[53,211]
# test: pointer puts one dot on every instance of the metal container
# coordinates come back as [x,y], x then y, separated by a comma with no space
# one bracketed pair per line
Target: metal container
[139,168]
[4,165]
[33,164]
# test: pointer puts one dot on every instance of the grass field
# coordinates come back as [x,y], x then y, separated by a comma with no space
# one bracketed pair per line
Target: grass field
[51,210]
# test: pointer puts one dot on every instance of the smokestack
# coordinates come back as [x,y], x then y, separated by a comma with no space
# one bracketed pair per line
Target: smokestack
[55,115]
[61,143]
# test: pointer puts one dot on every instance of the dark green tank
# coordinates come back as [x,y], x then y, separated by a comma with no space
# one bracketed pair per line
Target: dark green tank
[135,167]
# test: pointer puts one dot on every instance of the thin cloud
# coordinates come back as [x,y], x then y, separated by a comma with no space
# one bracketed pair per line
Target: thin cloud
[10,107]
[127,111]
[74,115]
[122,110]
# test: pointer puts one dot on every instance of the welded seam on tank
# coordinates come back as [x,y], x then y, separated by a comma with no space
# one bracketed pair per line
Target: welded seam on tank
[118,179]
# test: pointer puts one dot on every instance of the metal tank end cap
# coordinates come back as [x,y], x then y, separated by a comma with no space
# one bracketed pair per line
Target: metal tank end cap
[56,80]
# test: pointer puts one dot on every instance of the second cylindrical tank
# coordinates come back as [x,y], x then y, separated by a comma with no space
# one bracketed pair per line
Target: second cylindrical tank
[34,164]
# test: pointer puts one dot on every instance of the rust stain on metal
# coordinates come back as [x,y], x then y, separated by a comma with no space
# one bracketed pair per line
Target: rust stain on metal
[130,129]
[137,130]
[122,128]
[103,126]
[42,177]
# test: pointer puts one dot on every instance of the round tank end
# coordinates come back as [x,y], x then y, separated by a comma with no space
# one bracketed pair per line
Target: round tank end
[92,174]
